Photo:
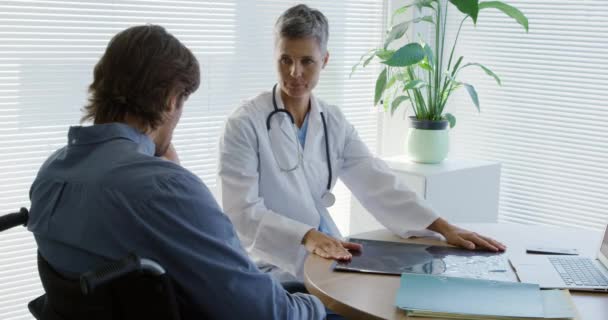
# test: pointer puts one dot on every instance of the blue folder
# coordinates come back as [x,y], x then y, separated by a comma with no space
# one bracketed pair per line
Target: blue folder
[450,297]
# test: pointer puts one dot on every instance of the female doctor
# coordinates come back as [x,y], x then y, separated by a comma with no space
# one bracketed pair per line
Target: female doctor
[282,152]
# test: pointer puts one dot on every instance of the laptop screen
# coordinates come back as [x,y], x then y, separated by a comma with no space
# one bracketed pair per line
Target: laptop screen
[603,254]
[604,248]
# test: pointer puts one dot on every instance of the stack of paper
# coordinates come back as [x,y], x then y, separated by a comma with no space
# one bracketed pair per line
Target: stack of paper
[461,298]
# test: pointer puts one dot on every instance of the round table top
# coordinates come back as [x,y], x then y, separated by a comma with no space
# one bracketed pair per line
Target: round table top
[372,296]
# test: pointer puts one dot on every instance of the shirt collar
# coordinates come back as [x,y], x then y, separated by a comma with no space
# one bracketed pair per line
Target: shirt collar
[79,135]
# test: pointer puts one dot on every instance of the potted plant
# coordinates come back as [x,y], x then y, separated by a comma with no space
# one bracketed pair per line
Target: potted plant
[417,72]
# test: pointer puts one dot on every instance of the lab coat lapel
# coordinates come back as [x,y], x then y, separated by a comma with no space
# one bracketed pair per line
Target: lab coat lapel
[288,129]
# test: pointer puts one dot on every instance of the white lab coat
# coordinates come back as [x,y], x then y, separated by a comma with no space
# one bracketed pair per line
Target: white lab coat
[272,209]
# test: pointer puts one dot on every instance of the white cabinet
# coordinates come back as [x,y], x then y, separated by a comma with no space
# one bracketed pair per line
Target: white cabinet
[459,190]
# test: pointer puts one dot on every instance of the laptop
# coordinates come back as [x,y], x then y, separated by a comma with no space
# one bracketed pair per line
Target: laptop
[566,272]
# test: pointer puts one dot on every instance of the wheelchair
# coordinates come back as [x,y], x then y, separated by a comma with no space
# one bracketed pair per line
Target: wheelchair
[128,288]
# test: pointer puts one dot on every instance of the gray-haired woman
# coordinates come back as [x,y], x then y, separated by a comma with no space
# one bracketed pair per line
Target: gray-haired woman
[282,152]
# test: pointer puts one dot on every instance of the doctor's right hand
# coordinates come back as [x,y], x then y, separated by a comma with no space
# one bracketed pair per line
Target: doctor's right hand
[327,247]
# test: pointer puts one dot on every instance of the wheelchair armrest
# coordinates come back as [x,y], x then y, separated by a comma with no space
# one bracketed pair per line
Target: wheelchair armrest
[131,263]
[90,280]
[14,219]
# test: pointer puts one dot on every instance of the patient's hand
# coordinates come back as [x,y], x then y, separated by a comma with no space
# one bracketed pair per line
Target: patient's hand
[171,154]
[327,247]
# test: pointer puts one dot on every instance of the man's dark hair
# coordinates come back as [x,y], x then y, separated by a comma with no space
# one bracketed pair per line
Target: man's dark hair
[142,68]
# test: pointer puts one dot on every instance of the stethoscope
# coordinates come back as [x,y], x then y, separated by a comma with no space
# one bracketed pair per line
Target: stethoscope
[327,199]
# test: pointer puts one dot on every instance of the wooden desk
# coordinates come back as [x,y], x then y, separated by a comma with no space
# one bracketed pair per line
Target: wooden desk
[369,296]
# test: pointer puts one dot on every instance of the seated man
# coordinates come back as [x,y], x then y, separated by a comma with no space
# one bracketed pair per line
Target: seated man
[108,192]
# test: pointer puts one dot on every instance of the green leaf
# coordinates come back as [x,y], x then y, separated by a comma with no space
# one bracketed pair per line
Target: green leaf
[457,65]
[399,11]
[397,102]
[407,55]
[391,82]
[425,65]
[508,10]
[418,3]
[384,54]
[386,101]
[414,84]
[395,77]
[447,93]
[468,7]
[473,95]
[488,71]
[352,70]
[428,19]
[367,61]
[372,51]
[451,119]
[397,31]
[424,4]
[429,53]
[380,85]
[456,86]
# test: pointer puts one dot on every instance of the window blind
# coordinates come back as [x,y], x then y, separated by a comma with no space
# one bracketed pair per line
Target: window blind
[547,123]
[47,52]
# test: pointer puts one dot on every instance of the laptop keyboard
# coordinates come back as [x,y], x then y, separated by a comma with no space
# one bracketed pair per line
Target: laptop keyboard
[578,271]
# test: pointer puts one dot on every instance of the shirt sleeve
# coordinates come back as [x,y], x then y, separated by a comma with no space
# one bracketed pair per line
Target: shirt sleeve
[267,234]
[379,190]
[197,245]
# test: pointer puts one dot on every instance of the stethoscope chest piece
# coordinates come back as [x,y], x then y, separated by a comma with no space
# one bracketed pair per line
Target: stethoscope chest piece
[328,199]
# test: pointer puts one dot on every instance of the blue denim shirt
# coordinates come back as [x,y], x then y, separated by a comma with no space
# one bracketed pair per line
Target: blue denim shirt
[105,194]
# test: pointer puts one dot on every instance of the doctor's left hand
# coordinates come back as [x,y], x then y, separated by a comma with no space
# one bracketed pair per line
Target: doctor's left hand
[327,247]
[464,238]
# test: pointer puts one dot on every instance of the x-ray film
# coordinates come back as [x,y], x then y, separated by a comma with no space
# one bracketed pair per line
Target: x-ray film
[395,258]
